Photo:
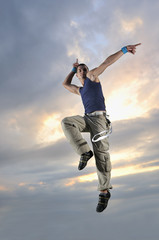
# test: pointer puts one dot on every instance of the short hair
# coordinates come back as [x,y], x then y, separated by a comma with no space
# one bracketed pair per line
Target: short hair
[83,64]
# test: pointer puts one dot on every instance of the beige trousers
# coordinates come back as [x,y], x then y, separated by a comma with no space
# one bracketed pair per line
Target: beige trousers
[74,126]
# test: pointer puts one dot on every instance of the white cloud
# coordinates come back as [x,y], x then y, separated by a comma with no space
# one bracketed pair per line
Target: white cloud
[131,25]
[75,51]
[39,43]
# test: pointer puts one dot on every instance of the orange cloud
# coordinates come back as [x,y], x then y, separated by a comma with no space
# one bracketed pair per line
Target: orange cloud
[117,172]
[131,25]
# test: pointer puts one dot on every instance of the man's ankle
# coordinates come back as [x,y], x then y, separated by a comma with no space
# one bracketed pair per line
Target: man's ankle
[104,191]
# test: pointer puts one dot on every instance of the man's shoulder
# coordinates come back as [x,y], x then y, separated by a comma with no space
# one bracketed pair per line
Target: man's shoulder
[92,76]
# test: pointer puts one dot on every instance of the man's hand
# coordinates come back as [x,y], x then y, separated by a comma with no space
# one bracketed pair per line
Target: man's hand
[67,82]
[132,48]
[76,63]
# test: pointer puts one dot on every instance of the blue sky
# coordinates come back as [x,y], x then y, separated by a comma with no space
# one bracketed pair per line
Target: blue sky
[42,194]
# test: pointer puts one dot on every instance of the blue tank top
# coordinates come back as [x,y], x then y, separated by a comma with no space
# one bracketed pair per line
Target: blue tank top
[92,96]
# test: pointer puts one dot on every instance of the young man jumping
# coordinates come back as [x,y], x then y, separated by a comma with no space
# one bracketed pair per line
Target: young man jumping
[94,121]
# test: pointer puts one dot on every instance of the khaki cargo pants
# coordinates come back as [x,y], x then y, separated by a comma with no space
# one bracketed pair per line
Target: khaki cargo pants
[74,126]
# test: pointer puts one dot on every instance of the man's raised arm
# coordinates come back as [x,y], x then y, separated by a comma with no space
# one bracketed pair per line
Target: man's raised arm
[67,82]
[113,58]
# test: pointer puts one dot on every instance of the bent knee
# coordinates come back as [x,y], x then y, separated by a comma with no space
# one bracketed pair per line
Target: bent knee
[63,120]
[66,121]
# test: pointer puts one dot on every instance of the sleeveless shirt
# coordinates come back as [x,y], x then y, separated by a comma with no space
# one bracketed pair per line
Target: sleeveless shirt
[92,96]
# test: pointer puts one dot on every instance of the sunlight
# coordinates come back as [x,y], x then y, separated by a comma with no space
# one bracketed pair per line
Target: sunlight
[123,103]
[88,178]
[3,188]
[119,172]
[22,184]
[70,183]
[128,155]
[116,172]
[51,130]
[130,26]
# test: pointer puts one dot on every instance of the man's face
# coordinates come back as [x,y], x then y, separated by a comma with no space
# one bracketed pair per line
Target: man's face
[82,72]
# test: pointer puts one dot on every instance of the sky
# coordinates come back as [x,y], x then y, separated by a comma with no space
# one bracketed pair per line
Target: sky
[42,193]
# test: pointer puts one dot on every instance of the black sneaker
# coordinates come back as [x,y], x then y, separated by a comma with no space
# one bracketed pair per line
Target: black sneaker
[84,159]
[103,201]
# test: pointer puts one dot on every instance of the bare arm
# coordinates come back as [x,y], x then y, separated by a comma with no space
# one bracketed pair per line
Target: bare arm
[67,82]
[94,73]
[108,61]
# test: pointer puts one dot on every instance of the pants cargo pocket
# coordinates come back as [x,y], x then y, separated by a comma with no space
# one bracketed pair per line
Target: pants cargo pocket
[108,165]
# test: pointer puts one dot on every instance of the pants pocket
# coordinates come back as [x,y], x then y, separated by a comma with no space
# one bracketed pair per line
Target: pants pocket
[108,165]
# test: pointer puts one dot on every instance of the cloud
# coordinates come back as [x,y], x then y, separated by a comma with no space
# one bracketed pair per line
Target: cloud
[50,165]
[130,26]
[48,211]
[42,192]
[135,132]
[27,78]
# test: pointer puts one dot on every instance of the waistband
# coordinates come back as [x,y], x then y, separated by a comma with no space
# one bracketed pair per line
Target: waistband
[96,113]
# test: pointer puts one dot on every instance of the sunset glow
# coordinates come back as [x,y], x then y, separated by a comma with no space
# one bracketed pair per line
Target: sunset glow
[116,172]
[43,195]
[123,102]
[131,25]
[51,129]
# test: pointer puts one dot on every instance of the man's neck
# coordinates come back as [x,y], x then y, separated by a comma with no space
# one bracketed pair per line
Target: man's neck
[82,81]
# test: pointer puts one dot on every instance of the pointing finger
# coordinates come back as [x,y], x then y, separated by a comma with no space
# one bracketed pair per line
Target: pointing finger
[137,44]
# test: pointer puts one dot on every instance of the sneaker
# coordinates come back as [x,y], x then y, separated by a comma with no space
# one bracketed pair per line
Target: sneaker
[84,159]
[103,201]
